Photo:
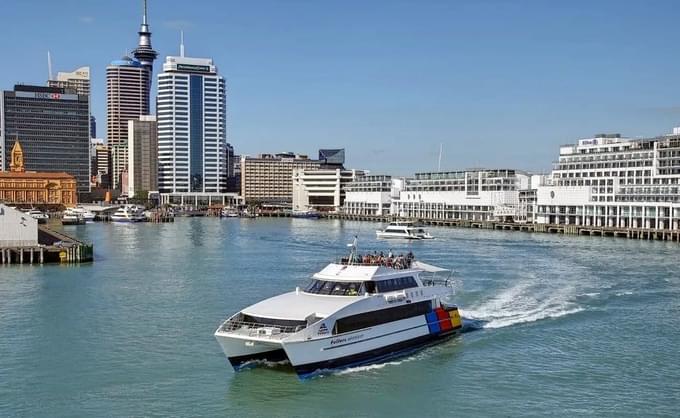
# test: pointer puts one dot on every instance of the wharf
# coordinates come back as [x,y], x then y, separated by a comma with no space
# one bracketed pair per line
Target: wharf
[589,230]
[53,247]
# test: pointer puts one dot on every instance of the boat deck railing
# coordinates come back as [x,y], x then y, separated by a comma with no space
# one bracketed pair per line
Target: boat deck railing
[392,263]
[258,329]
[436,281]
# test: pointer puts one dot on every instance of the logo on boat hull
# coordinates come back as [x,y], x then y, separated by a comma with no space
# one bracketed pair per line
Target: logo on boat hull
[323,329]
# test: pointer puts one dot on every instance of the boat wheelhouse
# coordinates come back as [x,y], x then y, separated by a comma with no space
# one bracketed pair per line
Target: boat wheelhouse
[351,313]
[403,230]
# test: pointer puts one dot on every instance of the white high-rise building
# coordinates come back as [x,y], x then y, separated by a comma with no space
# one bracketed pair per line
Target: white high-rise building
[192,140]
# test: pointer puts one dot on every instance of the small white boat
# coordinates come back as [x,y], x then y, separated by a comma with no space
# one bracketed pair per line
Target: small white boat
[72,217]
[404,230]
[38,215]
[129,214]
[229,213]
[351,313]
[305,214]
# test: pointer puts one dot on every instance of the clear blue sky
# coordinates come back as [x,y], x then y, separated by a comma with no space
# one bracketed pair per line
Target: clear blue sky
[499,83]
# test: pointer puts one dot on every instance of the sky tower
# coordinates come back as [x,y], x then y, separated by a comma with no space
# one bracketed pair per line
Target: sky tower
[144,52]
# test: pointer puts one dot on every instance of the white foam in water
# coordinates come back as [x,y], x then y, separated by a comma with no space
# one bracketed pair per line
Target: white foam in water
[376,366]
[523,303]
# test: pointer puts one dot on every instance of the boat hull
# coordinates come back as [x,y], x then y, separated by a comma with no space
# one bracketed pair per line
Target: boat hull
[388,235]
[374,356]
[367,346]
[244,352]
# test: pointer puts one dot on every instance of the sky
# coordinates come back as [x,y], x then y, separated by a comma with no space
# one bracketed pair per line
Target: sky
[495,83]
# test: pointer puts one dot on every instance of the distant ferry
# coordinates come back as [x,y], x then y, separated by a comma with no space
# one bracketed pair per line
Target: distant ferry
[404,230]
[306,214]
[128,214]
[72,217]
[350,314]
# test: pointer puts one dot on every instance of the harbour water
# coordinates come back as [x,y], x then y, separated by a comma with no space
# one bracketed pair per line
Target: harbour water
[569,325]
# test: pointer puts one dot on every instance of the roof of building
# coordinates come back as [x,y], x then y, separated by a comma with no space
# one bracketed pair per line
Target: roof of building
[35,175]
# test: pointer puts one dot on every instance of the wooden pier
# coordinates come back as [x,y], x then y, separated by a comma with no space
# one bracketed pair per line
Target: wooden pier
[53,247]
[599,231]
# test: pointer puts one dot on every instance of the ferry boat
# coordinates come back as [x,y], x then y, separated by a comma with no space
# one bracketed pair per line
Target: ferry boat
[128,214]
[38,215]
[404,230]
[72,217]
[352,313]
[86,214]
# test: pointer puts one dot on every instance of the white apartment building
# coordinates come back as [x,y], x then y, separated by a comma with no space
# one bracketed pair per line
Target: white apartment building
[369,196]
[474,195]
[192,144]
[611,181]
[321,189]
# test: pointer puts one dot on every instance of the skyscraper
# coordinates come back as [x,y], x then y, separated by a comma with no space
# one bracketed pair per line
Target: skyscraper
[191,127]
[53,126]
[143,155]
[127,98]
[78,80]
[128,88]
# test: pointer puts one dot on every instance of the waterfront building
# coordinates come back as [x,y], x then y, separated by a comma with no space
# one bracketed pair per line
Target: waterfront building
[127,98]
[53,125]
[267,178]
[192,146]
[321,189]
[474,195]
[142,155]
[78,80]
[611,181]
[369,196]
[17,229]
[19,186]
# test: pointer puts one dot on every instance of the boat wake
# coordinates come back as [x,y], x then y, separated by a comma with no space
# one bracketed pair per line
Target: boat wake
[524,303]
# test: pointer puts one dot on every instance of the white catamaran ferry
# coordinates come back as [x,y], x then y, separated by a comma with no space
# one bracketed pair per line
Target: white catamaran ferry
[352,313]
[404,230]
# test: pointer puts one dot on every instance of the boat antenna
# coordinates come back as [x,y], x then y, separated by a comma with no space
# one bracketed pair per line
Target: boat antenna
[353,251]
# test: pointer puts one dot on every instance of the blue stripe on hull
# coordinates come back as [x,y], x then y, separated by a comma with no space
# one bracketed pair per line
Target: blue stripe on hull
[379,355]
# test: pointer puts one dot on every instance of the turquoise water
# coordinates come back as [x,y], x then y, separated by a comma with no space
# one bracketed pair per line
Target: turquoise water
[571,326]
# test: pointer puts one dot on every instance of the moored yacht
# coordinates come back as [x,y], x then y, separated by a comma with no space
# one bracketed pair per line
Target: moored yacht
[128,213]
[351,313]
[38,215]
[305,214]
[404,230]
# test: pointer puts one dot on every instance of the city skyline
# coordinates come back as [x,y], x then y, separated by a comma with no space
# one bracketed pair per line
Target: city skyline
[500,85]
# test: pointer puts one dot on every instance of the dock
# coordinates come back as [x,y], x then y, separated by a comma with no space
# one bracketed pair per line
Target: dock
[587,230]
[52,247]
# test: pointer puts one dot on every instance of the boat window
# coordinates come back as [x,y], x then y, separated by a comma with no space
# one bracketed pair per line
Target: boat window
[322,287]
[382,316]
[398,283]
